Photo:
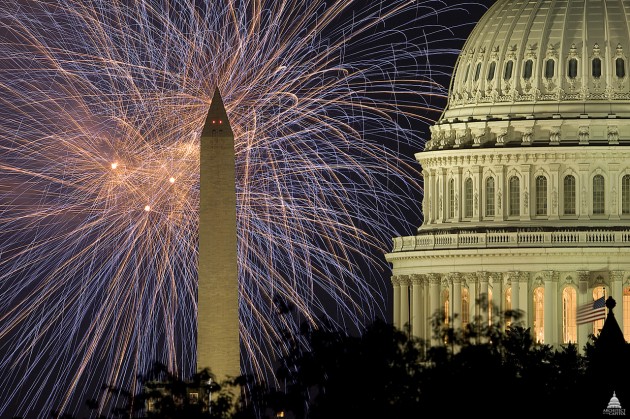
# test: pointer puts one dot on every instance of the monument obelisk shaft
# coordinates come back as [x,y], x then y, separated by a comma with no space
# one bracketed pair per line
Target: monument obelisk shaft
[218,346]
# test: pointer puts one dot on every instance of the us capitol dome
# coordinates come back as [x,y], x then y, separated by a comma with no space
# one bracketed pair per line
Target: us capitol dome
[526,175]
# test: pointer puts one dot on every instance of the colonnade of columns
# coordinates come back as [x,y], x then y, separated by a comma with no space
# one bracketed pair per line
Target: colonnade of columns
[455,296]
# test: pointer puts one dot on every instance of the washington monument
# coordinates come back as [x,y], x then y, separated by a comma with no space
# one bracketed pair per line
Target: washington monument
[218,346]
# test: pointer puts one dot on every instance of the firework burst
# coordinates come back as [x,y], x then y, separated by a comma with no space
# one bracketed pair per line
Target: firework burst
[102,103]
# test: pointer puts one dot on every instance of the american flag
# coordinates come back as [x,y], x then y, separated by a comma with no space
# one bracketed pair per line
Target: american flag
[590,312]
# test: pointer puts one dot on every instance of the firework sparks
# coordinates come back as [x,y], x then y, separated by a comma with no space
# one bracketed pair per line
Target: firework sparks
[102,103]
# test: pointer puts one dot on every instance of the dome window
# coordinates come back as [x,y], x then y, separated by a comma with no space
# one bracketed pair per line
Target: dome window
[527,69]
[490,197]
[625,195]
[468,198]
[550,68]
[515,198]
[541,195]
[620,68]
[569,195]
[466,74]
[507,73]
[572,69]
[598,195]
[493,66]
[596,67]
[478,71]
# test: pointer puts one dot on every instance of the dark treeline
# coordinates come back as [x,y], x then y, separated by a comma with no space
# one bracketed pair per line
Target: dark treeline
[495,370]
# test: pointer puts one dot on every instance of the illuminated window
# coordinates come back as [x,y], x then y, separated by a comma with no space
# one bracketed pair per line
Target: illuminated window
[490,197]
[468,196]
[539,315]
[596,68]
[527,69]
[493,66]
[572,69]
[569,307]
[620,67]
[597,294]
[508,304]
[550,68]
[515,197]
[569,195]
[451,198]
[626,313]
[541,195]
[507,74]
[465,307]
[446,305]
[625,194]
[598,194]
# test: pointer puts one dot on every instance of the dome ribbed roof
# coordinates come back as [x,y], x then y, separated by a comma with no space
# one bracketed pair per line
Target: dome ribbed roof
[532,59]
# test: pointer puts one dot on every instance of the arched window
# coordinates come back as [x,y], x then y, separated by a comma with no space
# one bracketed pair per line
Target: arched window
[626,313]
[466,74]
[550,68]
[569,307]
[527,69]
[468,198]
[620,67]
[572,68]
[515,197]
[447,306]
[508,305]
[493,66]
[598,194]
[625,194]
[541,195]
[598,293]
[465,307]
[569,195]
[451,198]
[478,71]
[507,73]
[596,67]
[490,197]
[539,315]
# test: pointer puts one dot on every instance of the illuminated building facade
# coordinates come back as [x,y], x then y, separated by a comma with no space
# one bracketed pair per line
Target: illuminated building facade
[527,175]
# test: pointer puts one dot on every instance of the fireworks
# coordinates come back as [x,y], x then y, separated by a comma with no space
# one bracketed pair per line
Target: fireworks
[102,103]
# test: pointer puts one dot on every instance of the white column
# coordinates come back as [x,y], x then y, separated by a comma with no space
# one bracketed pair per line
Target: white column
[616,290]
[584,295]
[582,192]
[524,298]
[456,301]
[554,184]
[514,286]
[434,295]
[551,305]
[404,301]
[526,194]
[614,190]
[483,293]
[396,302]
[418,320]
[477,195]
[471,280]
[501,196]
